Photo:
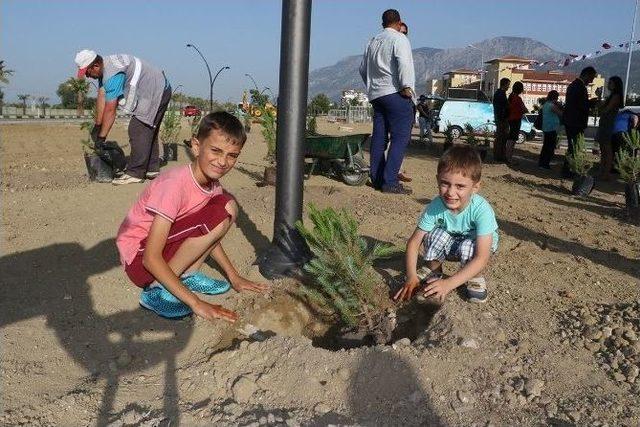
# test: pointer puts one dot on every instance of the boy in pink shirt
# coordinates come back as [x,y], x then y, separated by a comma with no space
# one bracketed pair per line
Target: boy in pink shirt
[180,219]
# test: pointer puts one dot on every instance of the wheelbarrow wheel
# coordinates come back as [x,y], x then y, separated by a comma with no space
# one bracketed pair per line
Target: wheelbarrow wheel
[359,173]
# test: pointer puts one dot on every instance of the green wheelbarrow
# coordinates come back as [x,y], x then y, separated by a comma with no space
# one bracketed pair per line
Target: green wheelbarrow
[339,156]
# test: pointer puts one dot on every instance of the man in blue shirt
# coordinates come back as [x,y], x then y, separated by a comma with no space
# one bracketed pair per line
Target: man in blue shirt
[388,74]
[140,90]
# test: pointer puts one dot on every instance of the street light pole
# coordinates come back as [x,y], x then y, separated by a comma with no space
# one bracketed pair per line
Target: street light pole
[481,63]
[633,30]
[214,81]
[254,82]
[208,71]
[288,250]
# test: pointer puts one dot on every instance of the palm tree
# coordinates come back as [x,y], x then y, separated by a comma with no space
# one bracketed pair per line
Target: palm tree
[4,74]
[23,98]
[43,103]
[80,87]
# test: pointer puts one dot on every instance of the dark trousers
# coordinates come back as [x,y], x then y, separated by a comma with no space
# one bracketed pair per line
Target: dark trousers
[392,114]
[548,148]
[572,135]
[500,143]
[143,140]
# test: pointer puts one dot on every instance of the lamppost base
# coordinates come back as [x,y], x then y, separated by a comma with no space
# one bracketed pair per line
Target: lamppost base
[285,257]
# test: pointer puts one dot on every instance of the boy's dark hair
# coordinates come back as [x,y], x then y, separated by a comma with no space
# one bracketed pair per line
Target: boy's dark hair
[98,60]
[504,81]
[225,123]
[517,88]
[463,159]
[389,17]
[406,29]
[588,71]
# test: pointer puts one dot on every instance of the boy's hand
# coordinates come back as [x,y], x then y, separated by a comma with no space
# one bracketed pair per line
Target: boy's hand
[407,290]
[212,311]
[437,289]
[241,284]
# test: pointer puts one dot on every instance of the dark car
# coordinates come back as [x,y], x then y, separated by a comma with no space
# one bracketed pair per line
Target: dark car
[191,110]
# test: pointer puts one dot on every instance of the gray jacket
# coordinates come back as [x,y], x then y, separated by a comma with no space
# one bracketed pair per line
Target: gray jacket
[143,87]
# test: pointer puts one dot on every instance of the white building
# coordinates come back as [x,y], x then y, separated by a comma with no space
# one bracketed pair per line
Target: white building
[349,95]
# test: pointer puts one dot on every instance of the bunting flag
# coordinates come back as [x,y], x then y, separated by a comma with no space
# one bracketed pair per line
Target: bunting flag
[571,58]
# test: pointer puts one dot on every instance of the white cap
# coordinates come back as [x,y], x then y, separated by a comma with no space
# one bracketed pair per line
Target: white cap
[84,58]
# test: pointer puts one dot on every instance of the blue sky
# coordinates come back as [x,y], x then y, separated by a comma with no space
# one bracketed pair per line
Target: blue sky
[38,39]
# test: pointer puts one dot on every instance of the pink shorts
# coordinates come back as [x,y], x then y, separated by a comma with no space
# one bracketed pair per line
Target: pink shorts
[194,225]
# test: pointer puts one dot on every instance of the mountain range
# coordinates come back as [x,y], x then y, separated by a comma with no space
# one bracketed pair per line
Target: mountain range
[431,63]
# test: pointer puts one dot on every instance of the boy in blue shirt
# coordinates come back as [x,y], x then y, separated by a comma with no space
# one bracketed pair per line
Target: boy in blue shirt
[458,225]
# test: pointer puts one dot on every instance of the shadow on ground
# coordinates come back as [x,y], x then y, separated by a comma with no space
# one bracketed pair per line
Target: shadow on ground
[53,282]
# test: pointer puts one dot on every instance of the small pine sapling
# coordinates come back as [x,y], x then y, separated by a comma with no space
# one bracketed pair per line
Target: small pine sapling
[342,267]
[628,158]
[579,161]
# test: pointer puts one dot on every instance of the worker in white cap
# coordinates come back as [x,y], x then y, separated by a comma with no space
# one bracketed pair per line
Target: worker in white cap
[139,89]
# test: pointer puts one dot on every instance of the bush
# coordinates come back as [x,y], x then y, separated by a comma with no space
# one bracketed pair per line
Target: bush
[170,126]
[343,277]
[269,131]
[579,161]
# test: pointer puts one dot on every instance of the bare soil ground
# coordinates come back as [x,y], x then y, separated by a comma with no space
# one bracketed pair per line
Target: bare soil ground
[557,342]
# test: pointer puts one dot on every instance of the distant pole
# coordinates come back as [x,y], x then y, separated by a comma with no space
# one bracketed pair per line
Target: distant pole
[254,82]
[214,82]
[208,71]
[481,63]
[288,251]
[633,31]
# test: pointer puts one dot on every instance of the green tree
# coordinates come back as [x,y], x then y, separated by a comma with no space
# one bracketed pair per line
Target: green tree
[73,94]
[24,97]
[320,104]
[354,102]
[269,132]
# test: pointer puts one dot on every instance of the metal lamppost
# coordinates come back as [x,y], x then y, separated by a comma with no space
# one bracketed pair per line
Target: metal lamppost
[208,71]
[288,251]
[254,82]
[631,41]
[214,80]
[481,63]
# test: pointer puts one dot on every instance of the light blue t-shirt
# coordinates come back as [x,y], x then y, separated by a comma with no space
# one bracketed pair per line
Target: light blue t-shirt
[114,87]
[550,120]
[476,219]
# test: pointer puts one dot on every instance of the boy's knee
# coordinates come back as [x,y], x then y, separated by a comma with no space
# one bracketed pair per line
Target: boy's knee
[232,209]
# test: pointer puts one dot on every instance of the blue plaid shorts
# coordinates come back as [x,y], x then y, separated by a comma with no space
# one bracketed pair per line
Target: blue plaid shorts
[440,245]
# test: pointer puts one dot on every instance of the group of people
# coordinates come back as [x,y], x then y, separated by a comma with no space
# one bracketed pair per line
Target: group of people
[614,120]
[182,215]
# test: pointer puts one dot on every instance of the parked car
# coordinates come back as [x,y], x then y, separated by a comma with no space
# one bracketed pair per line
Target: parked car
[454,114]
[191,110]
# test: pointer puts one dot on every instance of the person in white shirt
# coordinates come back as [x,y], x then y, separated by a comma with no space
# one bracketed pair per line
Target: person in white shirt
[388,74]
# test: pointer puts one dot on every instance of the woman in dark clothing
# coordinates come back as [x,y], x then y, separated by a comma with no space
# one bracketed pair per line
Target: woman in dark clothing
[516,111]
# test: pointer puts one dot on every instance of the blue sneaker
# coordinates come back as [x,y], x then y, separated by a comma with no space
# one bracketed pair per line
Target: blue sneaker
[476,290]
[162,302]
[203,284]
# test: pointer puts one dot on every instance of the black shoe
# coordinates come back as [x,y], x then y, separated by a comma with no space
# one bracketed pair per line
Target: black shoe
[398,189]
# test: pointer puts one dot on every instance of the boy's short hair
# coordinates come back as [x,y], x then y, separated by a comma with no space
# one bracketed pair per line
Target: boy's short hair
[463,159]
[225,123]
[504,81]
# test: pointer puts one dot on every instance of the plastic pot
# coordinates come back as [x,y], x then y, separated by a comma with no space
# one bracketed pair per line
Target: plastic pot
[97,169]
[582,185]
[632,199]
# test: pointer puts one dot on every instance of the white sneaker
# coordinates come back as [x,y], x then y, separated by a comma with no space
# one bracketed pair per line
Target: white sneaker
[151,175]
[126,179]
